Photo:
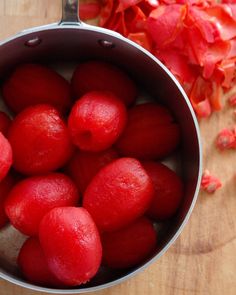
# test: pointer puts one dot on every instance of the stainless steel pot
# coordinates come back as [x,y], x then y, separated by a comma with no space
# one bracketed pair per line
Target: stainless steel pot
[72,40]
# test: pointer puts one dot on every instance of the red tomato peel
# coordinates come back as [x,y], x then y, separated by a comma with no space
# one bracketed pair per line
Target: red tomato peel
[210,183]
[232,100]
[201,35]
[226,139]
[89,10]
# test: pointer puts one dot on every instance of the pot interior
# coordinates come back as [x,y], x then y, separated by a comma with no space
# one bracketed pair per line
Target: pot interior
[63,48]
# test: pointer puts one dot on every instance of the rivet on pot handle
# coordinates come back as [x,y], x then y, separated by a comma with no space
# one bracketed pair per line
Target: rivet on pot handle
[70,12]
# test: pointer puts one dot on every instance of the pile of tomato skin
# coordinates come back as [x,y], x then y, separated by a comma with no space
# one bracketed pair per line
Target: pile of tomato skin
[195,39]
[81,172]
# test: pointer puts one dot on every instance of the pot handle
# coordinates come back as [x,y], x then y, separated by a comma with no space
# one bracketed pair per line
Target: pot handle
[70,15]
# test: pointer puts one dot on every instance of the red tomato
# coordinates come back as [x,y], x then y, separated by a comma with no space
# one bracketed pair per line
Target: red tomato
[33,197]
[85,165]
[150,133]
[40,140]
[96,121]
[102,76]
[168,189]
[5,186]
[5,123]
[118,194]
[5,156]
[33,264]
[32,84]
[129,246]
[71,244]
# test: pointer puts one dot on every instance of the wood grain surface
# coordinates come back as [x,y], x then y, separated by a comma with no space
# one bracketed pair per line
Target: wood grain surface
[202,260]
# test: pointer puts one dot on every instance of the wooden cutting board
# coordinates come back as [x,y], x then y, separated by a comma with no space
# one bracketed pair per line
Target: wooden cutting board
[202,260]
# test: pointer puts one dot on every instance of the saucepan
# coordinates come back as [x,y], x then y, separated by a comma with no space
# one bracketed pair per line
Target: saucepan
[71,41]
